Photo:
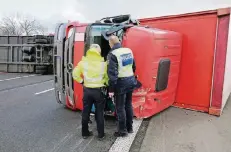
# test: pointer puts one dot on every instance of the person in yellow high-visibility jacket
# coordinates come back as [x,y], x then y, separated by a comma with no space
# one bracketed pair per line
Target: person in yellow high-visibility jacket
[91,71]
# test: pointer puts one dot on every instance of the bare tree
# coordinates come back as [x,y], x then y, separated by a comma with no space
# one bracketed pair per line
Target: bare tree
[20,25]
[9,26]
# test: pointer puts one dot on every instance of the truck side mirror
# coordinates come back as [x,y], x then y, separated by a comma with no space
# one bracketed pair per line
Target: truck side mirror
[162,74]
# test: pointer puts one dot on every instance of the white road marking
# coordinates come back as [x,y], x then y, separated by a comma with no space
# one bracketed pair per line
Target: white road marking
[26,76]
[10,79]
[61,142]
[29,85]
[17,78]
[87,144]
[77,145]
[123,144]
[44,91]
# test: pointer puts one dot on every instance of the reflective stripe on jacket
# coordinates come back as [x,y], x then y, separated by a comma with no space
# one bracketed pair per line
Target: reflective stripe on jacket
[116,84]
[125,62]
[93,68]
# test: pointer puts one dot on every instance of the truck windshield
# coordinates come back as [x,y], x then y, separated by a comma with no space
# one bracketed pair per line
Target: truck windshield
[97,29]
[95,33]
[95,37]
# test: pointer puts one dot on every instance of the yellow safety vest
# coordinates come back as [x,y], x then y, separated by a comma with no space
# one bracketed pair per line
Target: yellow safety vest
[125,61]
[93,68]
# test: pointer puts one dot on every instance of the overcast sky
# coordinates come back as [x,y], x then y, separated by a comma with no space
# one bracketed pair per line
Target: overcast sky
[49,12]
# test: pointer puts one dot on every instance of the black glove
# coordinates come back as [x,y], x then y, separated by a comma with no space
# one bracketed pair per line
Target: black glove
[82,83]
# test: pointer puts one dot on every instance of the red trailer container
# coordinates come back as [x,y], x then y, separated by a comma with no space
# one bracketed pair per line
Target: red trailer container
[205,73]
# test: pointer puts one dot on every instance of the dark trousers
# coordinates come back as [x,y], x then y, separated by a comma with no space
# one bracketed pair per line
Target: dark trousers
[124,111]
[90,96]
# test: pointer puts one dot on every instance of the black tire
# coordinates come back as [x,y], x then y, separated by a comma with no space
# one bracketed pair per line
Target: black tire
[40,37]
[50,69]
[46,48]
[28,58]
[41,72]
[31,41]
[41,41]
[50,40]
[40,67]
[28,50]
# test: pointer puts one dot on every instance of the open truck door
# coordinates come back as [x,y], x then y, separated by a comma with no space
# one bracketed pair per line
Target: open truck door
[59,42]
[157,55]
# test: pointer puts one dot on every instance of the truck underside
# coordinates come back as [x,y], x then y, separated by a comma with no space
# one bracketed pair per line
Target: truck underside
[26,54]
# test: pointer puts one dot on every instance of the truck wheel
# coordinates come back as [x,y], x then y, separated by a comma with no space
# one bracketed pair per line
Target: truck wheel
[30,41]
[42,72]
[41,41]
[28,50]
[40,37]
[40,67]
[28,58]
[50,69]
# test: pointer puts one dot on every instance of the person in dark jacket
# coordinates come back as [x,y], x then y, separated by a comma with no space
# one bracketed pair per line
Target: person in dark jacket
[122,82]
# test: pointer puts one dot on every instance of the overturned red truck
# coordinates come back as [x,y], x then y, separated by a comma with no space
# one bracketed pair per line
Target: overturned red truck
[182,60]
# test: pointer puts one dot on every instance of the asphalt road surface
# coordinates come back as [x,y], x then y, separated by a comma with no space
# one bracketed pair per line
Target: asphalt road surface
[32,121]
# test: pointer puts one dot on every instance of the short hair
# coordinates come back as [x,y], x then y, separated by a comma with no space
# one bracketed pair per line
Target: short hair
[96,46]
[114,39]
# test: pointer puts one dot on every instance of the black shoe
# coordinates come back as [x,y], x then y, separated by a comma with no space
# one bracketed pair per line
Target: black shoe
[101,137]
[120,134]
[89,134]
[130,131]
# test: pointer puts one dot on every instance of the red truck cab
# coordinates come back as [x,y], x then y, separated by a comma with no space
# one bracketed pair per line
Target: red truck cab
[157,54]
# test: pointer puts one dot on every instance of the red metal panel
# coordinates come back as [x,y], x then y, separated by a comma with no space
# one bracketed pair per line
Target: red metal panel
[149,47]
[199,34]
[180,105]
[219,65]
[78,54]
